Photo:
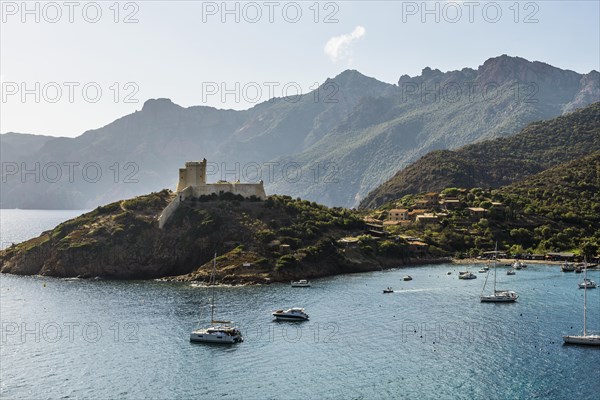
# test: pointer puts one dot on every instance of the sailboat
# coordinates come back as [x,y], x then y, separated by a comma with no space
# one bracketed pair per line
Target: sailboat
[591,340]
[498,296]
[218,331]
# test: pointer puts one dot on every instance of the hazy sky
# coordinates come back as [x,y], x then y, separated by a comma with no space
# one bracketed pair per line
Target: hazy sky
[81,66]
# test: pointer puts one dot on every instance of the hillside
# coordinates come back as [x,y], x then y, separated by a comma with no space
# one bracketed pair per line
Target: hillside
[555,210]
[346,137]
[497,162]
[257,242]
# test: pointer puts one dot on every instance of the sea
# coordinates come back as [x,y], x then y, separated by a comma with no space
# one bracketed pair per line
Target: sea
[429,339]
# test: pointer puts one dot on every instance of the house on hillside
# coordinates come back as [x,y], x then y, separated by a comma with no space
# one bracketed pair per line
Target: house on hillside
[476,213]
[427,219]
[398,214]
[414,213]
[451,204]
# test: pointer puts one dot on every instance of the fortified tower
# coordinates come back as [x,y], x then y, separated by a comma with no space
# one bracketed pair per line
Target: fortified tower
[194,175]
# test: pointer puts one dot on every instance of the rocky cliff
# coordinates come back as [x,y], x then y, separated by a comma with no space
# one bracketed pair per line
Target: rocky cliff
[257,241]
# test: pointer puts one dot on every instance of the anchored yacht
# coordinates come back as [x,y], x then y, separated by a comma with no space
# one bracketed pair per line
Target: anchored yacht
[292,314]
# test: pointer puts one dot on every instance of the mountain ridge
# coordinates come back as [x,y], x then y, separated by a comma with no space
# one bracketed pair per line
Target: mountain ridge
[364,128]
[497,162]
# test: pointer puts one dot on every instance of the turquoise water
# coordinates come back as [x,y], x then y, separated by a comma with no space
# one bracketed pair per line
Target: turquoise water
[107,339]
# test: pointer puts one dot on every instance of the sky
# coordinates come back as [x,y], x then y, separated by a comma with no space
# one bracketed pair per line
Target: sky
[69,67]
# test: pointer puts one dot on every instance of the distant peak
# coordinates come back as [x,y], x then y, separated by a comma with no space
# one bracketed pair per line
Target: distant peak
[159,104]
[350,75]
[428,72]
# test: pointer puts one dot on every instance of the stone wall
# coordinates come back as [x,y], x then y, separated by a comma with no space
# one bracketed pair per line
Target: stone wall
[173,205]
[244,189]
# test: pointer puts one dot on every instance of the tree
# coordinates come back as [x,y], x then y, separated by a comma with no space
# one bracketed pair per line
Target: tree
[589,249]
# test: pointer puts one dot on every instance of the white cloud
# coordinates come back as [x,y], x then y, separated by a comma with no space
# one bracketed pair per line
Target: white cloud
[338,48]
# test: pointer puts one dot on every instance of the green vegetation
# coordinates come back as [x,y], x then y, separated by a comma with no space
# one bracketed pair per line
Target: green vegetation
[556,210]
[256,241]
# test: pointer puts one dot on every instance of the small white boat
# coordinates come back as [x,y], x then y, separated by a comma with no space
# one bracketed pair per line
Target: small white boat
[407,278]
[300,283]
[291,314]
[517,265]
[482,271]
[587,284]
[567,267]
[466,275]
[510,272]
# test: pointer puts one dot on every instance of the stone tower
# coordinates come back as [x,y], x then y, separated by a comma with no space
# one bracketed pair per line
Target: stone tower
[194,175]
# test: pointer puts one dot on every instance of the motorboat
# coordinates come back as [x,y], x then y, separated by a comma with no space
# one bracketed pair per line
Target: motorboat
[517,265]
[587,284]
[388,290]
[482,271]
[407,278]
[291,314]
[585,339]
[510,272]
[300,283]
[567,267]
[466,275]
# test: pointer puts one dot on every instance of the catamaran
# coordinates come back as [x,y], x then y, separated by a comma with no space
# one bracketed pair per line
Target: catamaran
[219,331]
[591,340]
[498,296]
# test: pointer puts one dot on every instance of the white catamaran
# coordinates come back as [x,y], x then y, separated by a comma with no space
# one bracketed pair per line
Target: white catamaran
[498,296]
[587,339]
[219,331]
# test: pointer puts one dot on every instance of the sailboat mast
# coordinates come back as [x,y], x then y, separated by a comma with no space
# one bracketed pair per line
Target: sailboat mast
[212,306]
[584,296]
[495,259]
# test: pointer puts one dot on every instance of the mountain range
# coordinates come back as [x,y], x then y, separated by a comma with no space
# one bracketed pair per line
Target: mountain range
[333,145]
[498,162]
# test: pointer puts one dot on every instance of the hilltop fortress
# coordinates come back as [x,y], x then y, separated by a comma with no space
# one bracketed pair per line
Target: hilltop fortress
[192,184]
